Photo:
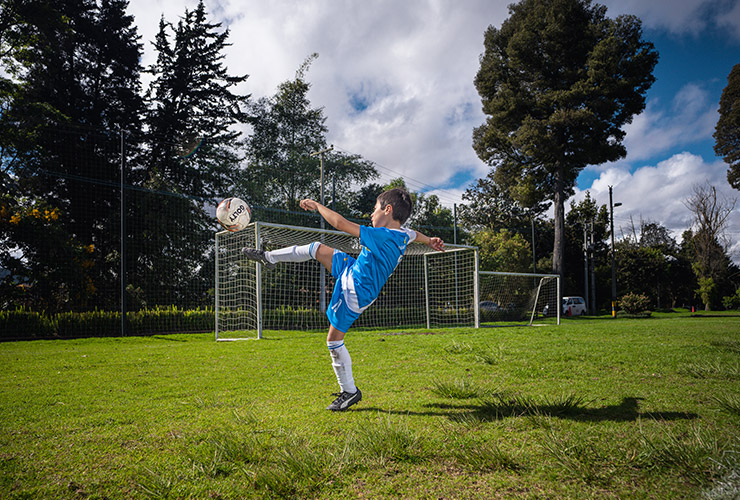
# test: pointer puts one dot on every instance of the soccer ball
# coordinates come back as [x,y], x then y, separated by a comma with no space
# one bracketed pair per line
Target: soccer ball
[233,214]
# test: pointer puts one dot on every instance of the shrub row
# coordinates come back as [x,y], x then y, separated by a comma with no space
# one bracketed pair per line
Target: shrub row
[23,324]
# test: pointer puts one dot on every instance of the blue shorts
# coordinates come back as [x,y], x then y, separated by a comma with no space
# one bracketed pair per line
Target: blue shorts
[343,309]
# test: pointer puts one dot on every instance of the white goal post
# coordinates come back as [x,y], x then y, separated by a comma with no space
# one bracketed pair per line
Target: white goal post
[428,288]
[519,297]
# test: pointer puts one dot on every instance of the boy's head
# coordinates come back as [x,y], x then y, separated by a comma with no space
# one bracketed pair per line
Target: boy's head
[400,202]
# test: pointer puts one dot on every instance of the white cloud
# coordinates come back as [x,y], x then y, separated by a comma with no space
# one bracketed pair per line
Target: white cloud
[730,20]
[409,64]
[690,118]
[657,193]
[681,17]
[396,83]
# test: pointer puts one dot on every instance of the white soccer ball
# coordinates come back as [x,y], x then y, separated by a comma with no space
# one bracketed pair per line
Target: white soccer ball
[233,214]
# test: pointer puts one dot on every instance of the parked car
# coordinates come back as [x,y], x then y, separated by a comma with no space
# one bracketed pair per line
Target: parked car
[489,306]
[574,306]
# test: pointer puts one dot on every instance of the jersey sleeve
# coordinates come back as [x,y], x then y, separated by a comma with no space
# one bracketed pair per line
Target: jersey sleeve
[410,233]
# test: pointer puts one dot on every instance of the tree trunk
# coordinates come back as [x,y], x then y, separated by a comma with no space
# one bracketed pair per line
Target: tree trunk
[558,251]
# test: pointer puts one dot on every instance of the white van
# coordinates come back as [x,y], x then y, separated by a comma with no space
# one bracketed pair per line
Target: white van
[574,306]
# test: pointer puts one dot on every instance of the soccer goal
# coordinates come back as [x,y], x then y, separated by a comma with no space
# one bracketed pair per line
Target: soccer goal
[428,289]
[519,298]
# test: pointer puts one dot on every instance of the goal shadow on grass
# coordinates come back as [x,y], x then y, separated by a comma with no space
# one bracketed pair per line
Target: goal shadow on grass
[571,409]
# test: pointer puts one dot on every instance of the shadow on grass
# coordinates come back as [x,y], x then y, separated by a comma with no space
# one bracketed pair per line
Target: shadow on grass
[498,409]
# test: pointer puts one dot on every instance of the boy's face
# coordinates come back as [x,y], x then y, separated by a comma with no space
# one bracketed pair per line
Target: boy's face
[381,216]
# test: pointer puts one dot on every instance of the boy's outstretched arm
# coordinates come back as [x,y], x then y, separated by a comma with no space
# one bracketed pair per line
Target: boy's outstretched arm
[434,242]
[332,217]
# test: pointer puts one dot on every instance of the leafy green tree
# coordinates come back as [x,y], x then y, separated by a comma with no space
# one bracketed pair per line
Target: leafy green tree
[711,213]
[46,267]
[364,200]
[727,131]
[640,270]
[491,206]
[193,109]
[285,131]
[342,171]
[503,250]
[558,81]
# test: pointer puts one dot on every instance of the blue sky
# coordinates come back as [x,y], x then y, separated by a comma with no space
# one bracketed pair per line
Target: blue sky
[395,80]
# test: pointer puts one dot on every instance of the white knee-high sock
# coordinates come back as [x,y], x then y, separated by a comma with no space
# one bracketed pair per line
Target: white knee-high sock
[342,364]
[293,254]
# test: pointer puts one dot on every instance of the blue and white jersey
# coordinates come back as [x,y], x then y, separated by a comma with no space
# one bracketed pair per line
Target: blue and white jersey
[382,251]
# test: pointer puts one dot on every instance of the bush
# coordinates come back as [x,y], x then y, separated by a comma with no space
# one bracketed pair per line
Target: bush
[24,324]
[732,302]
[633,303]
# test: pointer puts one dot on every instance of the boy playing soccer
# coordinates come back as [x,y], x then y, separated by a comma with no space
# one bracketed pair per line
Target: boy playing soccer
[358,282]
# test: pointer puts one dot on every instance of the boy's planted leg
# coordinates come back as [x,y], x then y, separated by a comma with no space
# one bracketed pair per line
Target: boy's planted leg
[342,365]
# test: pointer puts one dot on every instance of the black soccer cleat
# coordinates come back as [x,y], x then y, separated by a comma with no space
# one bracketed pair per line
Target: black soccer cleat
[345,400]
[258,256]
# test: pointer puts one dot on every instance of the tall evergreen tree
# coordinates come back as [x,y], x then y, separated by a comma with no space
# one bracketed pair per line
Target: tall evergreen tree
[75,69]
[193,156]
[727,132]
[558,80]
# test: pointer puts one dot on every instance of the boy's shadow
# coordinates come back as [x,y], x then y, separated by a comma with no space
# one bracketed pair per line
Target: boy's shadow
[488,411]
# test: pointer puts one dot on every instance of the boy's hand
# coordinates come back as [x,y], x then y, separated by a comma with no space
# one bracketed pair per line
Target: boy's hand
[437,244]
[309,204]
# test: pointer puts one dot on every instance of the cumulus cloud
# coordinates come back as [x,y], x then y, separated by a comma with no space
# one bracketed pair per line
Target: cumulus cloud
[395,79]
[657,193]
[691,117]
[681,17]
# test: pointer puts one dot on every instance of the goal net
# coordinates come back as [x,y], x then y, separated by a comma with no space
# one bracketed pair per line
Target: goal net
[519,298]
[427,289]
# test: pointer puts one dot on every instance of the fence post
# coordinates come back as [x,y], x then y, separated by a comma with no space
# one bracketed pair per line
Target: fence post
[124,310]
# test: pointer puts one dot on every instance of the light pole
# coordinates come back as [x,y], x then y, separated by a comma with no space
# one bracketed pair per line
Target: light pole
[322,276]
[614,271]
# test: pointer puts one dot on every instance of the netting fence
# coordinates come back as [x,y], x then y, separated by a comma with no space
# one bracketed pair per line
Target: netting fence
[107,246]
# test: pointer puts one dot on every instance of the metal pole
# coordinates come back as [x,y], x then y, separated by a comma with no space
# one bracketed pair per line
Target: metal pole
[534,253]
[124,309]
[217,304]
[426,288]
[322,272]
[614,272]
[454,227]
[560,301]
[592,271]
[585,263]
[258,279]
[476,290]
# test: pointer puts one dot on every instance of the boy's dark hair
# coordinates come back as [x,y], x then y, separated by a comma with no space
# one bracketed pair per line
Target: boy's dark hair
[401,202]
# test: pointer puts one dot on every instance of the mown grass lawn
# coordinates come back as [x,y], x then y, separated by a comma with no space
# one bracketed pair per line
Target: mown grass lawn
[594,408]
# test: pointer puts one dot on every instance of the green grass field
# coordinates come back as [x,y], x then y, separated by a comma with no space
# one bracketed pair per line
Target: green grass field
[594,408]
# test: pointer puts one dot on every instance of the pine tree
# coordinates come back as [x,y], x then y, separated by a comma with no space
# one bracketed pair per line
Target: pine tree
[727,132]
[192,159]
[76,70]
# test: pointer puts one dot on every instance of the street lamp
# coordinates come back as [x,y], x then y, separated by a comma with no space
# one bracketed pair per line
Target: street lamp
[614,272]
